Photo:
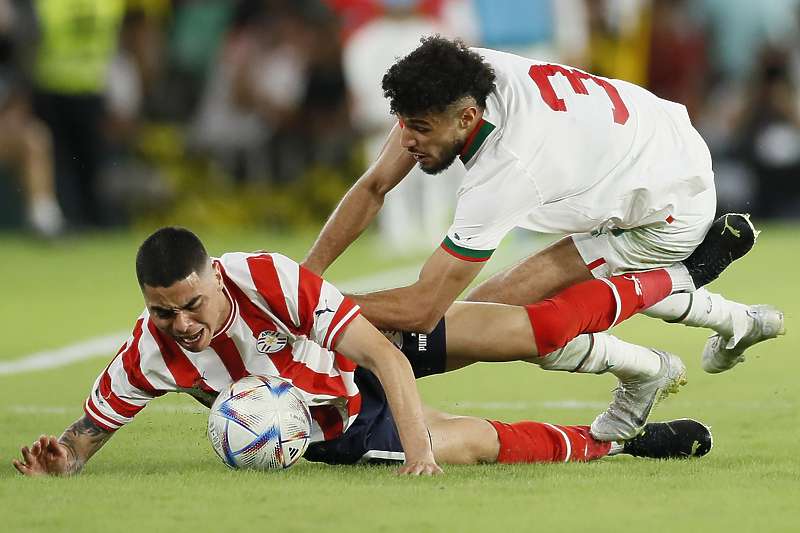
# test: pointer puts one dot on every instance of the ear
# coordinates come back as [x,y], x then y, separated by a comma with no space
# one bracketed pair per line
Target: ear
[470,116]
[218,275]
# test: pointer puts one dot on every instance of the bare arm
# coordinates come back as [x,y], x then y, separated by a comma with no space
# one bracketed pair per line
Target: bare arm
[360,205]
[367,347]
[67,455]
[419,306]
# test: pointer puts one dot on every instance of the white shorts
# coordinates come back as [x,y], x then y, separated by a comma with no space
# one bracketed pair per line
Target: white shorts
[609,251]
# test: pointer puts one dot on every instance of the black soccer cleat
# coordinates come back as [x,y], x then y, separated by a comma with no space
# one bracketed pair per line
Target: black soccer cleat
[676,439]
[730,237]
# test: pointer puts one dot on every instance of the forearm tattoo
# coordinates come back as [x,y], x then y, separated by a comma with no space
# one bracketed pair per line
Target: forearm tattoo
[84,429]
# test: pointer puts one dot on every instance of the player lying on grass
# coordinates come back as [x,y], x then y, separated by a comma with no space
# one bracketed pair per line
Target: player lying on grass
[550,149]
[209,322]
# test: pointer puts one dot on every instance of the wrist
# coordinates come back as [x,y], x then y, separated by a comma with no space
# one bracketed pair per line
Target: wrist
[72,464]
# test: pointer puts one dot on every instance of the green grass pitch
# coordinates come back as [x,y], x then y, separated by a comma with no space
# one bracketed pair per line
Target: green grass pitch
[160,473]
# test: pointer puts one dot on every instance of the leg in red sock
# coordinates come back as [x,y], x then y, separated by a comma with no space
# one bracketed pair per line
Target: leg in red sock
[537,442]
[594,305]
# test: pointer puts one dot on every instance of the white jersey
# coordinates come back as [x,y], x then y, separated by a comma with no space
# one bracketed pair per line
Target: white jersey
[284,322]
[562,151]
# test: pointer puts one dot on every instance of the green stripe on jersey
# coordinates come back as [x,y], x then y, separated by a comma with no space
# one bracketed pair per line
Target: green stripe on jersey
[475,255]
[476,141]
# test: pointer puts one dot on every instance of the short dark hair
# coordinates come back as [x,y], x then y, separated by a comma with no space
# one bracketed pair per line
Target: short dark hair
[168,256]
[436,75]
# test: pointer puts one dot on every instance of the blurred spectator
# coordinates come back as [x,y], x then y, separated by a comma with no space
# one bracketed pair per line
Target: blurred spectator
[26,144]
[125,88]
[770,136]
[619,33]
[255,86]
[131,180]
[737,31]
[269,88]
[194,33]
[739,28]
[78,39]
[137,70]
[678,57]
[547,30]
[325,128]
[415,213]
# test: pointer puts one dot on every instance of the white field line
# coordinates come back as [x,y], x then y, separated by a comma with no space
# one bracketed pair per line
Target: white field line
[108,345]
[105,346]
[62,409]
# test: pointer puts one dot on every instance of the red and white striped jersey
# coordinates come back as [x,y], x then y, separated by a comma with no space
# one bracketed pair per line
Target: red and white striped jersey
[284,322]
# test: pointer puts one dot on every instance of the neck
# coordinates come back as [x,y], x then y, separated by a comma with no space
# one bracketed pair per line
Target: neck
[225,310]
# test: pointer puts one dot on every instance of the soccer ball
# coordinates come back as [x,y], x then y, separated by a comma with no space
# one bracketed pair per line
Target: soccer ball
[260,422]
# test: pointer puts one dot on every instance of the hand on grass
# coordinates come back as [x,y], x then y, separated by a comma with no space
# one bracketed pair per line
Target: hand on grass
[420,468]
[44,457]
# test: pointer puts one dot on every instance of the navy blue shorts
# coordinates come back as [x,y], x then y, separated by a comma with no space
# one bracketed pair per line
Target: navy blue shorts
[372,438]
[426,353]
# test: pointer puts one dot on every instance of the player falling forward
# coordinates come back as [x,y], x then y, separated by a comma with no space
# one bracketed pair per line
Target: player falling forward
[551,149]
[645,376]
[209,322]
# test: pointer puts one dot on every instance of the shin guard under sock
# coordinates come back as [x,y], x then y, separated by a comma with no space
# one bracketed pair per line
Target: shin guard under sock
[594,305]
[537,442]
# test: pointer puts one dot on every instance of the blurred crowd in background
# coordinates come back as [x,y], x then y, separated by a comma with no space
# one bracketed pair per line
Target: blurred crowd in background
[233,113]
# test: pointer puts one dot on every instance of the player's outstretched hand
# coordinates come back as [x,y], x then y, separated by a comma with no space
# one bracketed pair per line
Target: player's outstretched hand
[46,456]
[420,468]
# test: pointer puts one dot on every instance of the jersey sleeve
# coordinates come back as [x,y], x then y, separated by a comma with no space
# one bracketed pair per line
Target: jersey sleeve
[332,315]
[498,195]
[122,390]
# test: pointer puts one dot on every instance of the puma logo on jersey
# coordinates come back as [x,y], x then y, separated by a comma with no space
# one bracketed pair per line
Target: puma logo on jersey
[327,309]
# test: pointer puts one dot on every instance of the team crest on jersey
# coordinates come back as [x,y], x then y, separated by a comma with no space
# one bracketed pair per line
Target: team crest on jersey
[270,341]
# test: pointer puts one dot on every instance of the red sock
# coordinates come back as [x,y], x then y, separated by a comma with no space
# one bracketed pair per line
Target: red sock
[536,442]
[593,306]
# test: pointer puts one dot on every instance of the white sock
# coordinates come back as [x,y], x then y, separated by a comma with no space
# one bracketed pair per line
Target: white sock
[616,448]
[673,308]
[45,215]
[599,353]
[681,279]
[623,359]
[703,309]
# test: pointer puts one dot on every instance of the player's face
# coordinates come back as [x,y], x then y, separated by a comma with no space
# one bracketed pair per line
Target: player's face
[191,310]
[436,139]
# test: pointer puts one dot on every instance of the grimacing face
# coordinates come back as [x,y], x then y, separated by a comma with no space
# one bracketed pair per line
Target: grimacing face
[191,310]
[436,139]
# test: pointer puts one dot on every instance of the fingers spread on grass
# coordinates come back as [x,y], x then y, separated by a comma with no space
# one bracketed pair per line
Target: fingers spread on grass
[420,469]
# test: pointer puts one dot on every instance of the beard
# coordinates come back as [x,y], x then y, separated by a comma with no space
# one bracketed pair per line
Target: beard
[446,158]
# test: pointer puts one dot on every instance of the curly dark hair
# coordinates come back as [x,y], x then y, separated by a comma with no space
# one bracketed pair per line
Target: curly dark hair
[168,256]
[435,75]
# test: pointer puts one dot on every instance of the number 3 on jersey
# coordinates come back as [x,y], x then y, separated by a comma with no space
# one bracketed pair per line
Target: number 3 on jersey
[541,74]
